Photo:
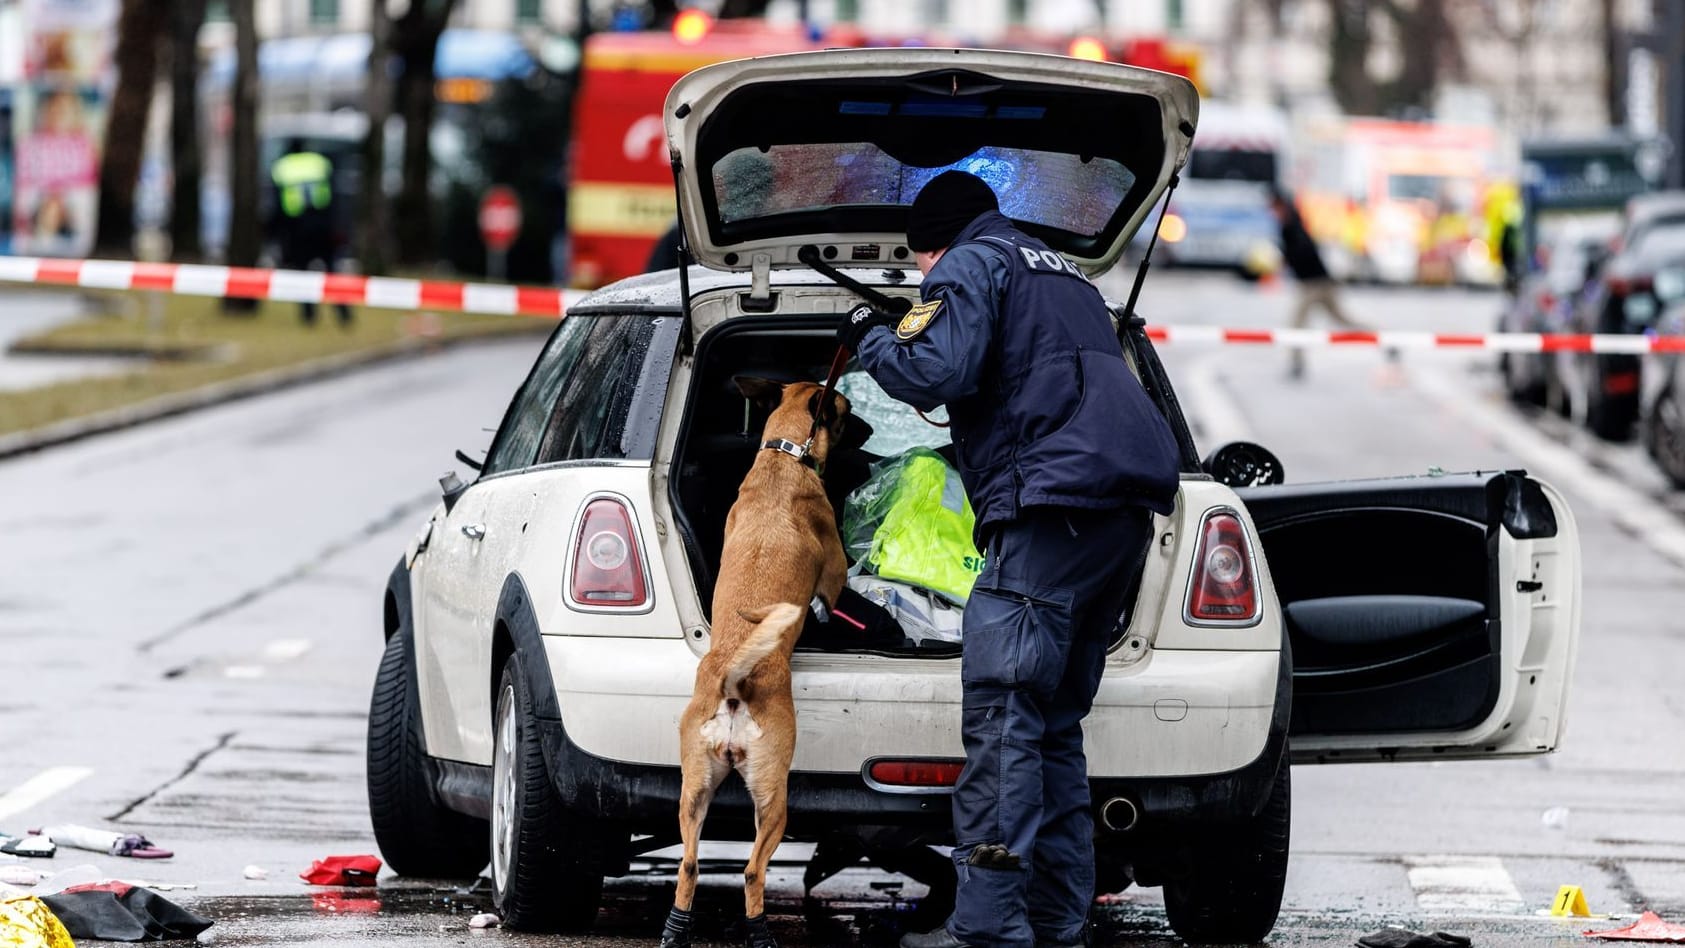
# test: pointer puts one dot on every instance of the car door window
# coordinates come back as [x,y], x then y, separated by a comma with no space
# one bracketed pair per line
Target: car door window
[624,363]
[516,444]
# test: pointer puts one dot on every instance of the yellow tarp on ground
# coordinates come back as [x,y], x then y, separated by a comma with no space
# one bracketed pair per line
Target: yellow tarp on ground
[27,922]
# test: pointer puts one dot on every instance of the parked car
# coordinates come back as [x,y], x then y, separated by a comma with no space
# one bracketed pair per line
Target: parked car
[1542,304]
[1602,391]
[544,626]
[1663,402]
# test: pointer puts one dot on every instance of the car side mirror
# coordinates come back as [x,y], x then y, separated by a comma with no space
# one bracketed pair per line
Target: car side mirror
[450,488]
[1243,464]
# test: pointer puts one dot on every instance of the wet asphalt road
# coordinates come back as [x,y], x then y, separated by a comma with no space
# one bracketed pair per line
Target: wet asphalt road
[189,627]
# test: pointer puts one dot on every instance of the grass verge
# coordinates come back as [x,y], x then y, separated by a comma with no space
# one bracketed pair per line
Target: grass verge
[184,342]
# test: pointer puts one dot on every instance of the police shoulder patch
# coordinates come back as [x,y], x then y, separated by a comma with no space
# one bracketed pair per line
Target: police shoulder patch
[917,320]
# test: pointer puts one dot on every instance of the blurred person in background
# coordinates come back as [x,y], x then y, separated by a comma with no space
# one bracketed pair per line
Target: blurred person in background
[303,219]
[1316,286]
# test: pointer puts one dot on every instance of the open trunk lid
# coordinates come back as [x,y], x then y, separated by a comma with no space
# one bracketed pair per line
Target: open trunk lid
[829,148]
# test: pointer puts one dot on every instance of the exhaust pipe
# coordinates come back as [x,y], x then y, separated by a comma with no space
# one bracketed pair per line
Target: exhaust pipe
[1119,815]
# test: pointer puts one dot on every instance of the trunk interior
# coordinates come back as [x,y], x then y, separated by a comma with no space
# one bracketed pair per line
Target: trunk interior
[719,441]
[721,436]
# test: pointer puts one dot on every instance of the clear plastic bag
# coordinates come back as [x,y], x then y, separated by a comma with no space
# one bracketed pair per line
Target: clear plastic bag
[911,522]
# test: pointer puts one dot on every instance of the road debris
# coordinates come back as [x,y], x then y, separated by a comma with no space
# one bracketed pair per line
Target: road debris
[36,846]
[110,842]
[342,870]
[1555,818]
[117,911]
[1404,938]
[484,920]
[1649,927]
[19,875]
[27,922]
[257,873]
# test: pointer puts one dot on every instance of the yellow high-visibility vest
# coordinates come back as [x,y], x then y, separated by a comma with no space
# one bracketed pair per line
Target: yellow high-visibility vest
[305,180]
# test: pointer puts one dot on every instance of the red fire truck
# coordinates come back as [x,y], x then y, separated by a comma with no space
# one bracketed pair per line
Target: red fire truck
[620,196]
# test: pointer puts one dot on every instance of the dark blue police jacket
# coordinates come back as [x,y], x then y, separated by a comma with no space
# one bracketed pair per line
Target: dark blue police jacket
[1020,347]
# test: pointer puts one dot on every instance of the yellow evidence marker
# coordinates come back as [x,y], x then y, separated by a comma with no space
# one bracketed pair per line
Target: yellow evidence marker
[1570,900]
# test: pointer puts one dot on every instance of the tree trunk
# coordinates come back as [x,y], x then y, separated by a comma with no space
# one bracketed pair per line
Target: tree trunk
[415,37]
[245,236]
[374,234]
[186,17]
[1348,57]
[1429,48]
[1614,55]
[139,29]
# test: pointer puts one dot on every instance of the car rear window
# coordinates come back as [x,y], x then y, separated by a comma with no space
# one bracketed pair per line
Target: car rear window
[1039,187]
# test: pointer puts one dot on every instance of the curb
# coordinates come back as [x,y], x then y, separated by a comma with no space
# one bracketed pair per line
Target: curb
[218,393]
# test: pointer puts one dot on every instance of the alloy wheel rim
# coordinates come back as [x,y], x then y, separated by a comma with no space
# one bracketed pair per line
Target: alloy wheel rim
[503,790]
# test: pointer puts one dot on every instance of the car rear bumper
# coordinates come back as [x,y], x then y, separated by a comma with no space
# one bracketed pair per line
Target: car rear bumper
[644,797]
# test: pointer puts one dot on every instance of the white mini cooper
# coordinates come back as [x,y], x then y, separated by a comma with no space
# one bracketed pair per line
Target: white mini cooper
[543,628]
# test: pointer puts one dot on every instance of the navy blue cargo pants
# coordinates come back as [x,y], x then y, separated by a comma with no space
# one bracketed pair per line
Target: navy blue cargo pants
[1036,630]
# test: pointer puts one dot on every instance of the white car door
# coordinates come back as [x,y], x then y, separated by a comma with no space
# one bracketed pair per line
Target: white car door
[1428,617]
[470,555]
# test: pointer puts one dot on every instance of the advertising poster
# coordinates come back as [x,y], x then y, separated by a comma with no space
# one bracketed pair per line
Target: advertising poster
[6,171]
[56,122]
[55,179]
[69,40]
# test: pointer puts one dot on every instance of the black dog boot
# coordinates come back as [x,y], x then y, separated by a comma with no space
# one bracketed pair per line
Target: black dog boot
[757,934]
[676,933]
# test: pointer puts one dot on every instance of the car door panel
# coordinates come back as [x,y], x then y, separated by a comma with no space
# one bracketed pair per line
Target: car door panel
[1427,616]
[470,554]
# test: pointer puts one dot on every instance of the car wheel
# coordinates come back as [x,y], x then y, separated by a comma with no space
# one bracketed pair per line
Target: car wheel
[1666,438]
[416,835]
[1611,417]
[545,862]
[1232,890]
[1521,391]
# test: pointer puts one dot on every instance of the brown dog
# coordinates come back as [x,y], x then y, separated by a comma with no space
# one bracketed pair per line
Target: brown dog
[781,547]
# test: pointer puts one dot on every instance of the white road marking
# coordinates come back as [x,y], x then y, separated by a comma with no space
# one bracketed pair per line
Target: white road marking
[1633,510]
[40,787]
[1463,884]
[285,650]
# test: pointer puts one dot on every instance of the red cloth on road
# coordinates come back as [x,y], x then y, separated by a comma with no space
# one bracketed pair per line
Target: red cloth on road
[342,870]
[1649,927]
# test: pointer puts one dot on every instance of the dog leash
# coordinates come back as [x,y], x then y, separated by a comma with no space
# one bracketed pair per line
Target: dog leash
[838,363]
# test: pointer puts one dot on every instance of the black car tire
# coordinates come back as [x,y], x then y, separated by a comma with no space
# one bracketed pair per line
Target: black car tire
[1231,893]
[1665,437]
[416,835]
[546,865]
[1610,418]
[1522,393]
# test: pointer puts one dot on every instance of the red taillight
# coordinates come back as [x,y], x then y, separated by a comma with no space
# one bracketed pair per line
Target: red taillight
[1223,589]
[915,773]
[607,570]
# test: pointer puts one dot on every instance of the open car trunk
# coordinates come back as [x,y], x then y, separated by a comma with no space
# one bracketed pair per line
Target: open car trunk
[721,438]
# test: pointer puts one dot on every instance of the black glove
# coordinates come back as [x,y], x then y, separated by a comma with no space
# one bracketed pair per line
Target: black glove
[860,321]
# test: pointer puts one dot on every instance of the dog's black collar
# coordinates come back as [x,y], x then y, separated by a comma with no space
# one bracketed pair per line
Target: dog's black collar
[797,451]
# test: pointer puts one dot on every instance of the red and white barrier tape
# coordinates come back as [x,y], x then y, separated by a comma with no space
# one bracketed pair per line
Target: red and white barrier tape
[295,286]
[1391,339]
[308,286]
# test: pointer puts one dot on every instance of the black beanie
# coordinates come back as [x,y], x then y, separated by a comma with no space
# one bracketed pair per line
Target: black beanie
[944,207]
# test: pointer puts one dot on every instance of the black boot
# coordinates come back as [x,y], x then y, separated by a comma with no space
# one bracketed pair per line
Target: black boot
[676,933]
[757,935]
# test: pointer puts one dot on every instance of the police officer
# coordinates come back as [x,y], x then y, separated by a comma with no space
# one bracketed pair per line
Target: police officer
[1064,458]
[303,221]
